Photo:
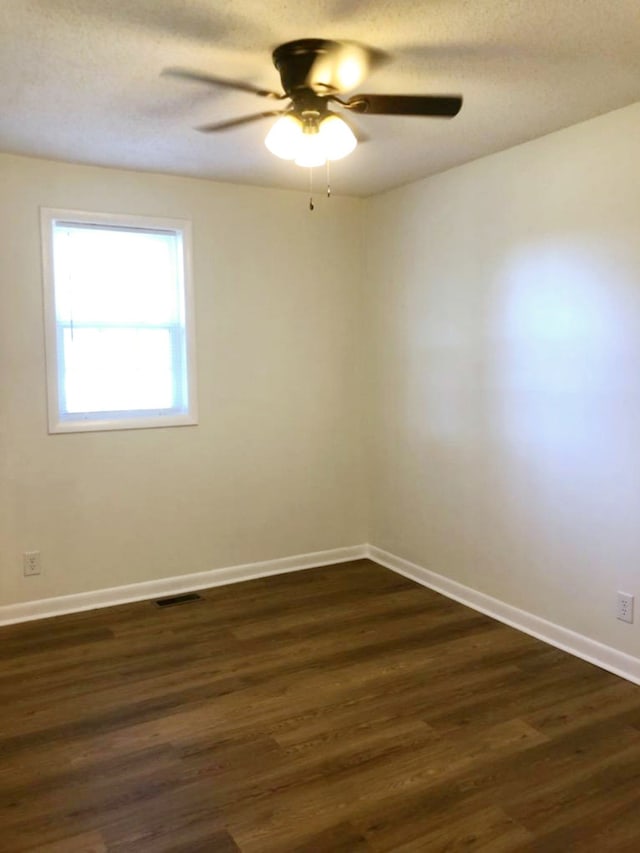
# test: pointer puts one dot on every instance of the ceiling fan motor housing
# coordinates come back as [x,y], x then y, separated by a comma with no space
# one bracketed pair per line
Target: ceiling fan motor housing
[295,62]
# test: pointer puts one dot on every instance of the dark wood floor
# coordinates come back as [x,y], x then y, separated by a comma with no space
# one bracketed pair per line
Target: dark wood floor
[338,709]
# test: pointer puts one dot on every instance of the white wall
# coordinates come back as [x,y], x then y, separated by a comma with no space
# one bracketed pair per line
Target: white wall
[502,411]
[272,470]
[505,374]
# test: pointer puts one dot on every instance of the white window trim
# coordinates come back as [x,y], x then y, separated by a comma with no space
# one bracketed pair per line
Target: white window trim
[124,420]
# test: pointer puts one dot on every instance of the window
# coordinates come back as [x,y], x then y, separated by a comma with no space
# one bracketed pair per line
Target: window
[118,316]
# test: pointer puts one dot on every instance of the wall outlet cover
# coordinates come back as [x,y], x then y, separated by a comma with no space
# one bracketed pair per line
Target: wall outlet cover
[624,607]
[31,564]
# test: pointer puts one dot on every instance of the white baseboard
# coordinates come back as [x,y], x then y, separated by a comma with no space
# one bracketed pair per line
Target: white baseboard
[583,647]
[606,657]
[29,610]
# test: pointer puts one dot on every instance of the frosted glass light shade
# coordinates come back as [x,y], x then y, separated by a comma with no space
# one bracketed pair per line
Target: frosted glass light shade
[336,137]
[285,137]
[311,144]
[311,151]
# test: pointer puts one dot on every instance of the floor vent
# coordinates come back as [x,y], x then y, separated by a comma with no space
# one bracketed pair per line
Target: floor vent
[178,599]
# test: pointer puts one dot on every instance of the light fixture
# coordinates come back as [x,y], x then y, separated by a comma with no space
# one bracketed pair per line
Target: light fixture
[285,137]
[337,138]
[310,140]
[310,151]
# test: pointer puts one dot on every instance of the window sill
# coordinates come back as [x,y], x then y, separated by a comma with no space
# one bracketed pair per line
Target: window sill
[110,424]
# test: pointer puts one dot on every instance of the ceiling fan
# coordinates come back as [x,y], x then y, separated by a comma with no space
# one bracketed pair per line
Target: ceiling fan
[314,74]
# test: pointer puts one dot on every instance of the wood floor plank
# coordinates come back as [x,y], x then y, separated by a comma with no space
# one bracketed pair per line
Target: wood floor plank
[87,842]
[488,829]
[336,709]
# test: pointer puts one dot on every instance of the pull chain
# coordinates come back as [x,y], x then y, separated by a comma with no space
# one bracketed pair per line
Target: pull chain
[328,180]
[311,204]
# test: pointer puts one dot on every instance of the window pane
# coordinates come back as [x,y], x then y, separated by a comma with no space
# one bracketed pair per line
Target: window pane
[119,342]
[117,369]
[117,275]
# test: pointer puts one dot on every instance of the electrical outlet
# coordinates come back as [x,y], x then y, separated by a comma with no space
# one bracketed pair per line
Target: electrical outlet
[31,563]
[624,609]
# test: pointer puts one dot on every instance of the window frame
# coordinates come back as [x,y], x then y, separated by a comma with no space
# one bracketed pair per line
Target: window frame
[60,422]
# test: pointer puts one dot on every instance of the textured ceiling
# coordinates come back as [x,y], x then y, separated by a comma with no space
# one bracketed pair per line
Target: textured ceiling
[80,79]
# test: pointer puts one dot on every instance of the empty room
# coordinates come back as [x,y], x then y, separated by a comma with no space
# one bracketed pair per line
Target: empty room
[319,426]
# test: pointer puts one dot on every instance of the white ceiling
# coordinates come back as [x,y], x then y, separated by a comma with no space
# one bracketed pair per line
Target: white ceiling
[80,79]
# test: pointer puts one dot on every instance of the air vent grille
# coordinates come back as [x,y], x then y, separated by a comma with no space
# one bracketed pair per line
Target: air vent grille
[174,600]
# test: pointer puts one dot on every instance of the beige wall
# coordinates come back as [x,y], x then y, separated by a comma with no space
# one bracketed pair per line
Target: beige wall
[505,374]
[487,360]
[273,468]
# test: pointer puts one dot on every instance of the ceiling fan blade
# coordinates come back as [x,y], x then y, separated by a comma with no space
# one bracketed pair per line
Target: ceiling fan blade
[442,106]
[193,22]
[240,85]
[236,122]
